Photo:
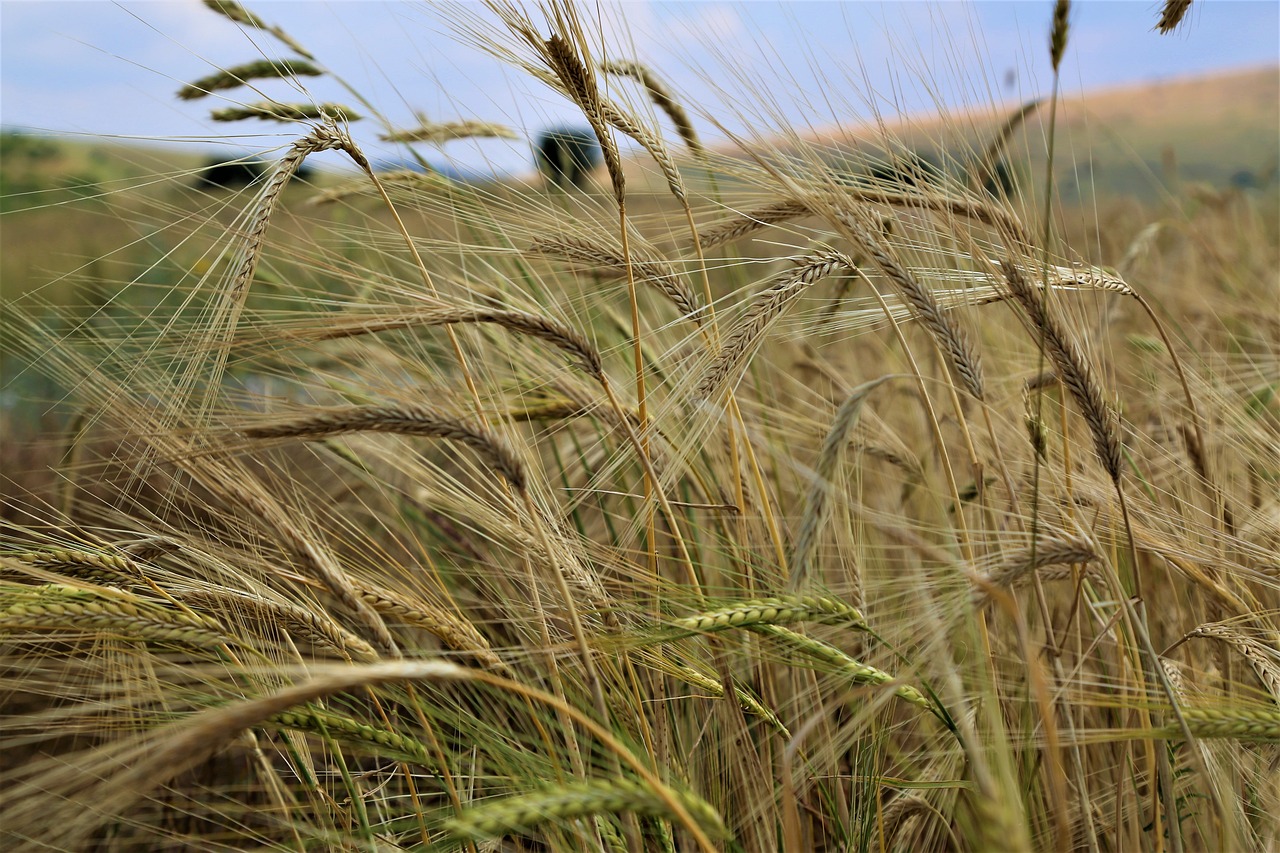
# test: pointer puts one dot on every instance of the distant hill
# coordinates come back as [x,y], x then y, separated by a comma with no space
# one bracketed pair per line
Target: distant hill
[1133,140]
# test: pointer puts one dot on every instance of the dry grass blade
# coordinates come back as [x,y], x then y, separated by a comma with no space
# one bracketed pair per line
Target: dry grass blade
[121,779]
[399,420]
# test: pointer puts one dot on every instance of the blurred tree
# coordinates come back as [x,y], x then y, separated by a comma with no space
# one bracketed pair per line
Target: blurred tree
[567,156]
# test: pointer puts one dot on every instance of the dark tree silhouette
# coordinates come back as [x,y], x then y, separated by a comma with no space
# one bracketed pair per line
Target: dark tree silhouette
[219,173]
[566,156]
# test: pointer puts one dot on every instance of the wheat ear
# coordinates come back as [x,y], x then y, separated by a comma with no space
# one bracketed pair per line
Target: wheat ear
[298,622]
[455,633]
[767,306]
[64,608]
[779,610]
[661,96]
[400,420]
[817,507]
[645,270]
[1265,660]
[1072,368]
[438,133]
[846,666]
[238,75]
[523,814]
[275,111]
[1171,14]
[950,338]
[328,724]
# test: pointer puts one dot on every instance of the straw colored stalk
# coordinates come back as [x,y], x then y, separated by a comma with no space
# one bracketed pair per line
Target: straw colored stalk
[438,133]
[522,815]
[274,111]
[817,509]
[765,309]
[1072,367]
[947,335]
[299,623]
[238,75]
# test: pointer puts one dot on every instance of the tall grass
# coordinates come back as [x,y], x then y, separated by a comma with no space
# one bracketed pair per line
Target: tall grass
[799,504]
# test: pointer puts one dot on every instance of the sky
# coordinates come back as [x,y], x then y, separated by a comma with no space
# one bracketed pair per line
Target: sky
[100,68]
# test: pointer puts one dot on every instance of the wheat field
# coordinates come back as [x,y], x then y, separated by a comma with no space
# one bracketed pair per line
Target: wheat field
[773,495]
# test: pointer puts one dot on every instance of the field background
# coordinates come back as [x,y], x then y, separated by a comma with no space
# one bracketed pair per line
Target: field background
[394,512]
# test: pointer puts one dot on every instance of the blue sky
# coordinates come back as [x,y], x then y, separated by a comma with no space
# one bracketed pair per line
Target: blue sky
[104,68]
